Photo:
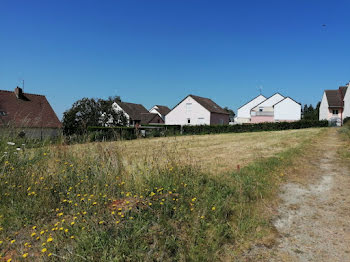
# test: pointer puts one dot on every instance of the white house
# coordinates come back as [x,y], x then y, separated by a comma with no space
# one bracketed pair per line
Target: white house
[335,105]
[243,113]
[196,110]
[276,108]
[162,111]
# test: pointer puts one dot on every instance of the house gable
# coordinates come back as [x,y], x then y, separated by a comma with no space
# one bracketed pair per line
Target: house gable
[244,111]
[324,108]
[188,112]
[287,110]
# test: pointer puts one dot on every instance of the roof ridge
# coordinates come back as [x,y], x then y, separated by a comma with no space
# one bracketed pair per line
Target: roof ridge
[23,93]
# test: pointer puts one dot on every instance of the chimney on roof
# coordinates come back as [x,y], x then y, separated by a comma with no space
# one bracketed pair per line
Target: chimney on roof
[18,92]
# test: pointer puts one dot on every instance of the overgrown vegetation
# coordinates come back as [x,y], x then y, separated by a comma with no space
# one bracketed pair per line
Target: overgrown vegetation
[58,204]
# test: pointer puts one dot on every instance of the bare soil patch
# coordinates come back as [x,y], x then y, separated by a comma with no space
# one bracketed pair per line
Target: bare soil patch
[312,222]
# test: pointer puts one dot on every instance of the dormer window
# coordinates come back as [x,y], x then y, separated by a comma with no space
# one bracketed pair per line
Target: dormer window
[261,109]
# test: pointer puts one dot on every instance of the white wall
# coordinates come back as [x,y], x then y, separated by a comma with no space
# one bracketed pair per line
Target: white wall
[324,111]
[244,111]
[287,110]
[179,115]
[346,112]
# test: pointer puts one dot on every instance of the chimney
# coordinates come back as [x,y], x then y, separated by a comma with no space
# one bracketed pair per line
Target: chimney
[18,92]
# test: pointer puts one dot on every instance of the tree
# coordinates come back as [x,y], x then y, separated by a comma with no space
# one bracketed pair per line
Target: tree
[231,112]
[311,113]
[91,112]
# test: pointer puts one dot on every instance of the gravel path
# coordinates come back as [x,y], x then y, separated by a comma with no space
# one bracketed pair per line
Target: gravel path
[313,220]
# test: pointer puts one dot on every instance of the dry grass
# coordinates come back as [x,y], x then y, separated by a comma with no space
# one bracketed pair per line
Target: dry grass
[216,154]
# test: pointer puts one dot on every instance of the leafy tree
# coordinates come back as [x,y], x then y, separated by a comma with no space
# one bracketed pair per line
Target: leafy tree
[91,112]
[231,112]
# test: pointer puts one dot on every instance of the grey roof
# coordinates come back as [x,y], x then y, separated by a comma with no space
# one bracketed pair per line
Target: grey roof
[133,110]
[335,97]
[209,104]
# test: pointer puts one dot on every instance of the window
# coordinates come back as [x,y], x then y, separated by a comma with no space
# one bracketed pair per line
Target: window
[188,107]
[188,120]
[261,109]
[221,121]
[2,113]
[335,111]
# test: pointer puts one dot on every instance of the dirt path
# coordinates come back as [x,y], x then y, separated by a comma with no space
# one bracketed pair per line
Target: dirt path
[313,219]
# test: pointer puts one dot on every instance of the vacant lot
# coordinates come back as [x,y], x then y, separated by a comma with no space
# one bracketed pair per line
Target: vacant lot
[163,199]
[217,153]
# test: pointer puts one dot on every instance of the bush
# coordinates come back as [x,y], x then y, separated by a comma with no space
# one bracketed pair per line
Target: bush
[346,120]
[111,133]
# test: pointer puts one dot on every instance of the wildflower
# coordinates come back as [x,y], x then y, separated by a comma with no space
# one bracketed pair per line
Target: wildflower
[101,222]
[49,239]
[9,260]
[72,237]
[150,204]
[44,250]
[117,222]
[42,232]
[194,199]
[25,255]
[49,255]
[34,227]
[66,230]
[18,149]
[72,223]
[60,214]
[12,241]
[33,234]
[11,143]
[213,208]
[1,242]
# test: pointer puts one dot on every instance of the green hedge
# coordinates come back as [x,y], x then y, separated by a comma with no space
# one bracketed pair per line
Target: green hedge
[111,133]
[206,129]
[127,133]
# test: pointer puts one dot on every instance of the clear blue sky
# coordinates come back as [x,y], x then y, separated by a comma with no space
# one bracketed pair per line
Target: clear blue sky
[157,52]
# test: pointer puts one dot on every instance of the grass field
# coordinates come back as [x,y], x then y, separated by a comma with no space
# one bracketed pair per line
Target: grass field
[163,199]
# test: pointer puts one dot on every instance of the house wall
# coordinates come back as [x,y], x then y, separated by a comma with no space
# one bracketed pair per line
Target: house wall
[324,111]
[32,133]
[346,112]
[179,115]
[287,110]
[243,113]
[331,115]
[219,119]
[262,119]
[242,120]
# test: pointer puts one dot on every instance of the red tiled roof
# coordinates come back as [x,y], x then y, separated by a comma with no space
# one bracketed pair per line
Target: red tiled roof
[29,110]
